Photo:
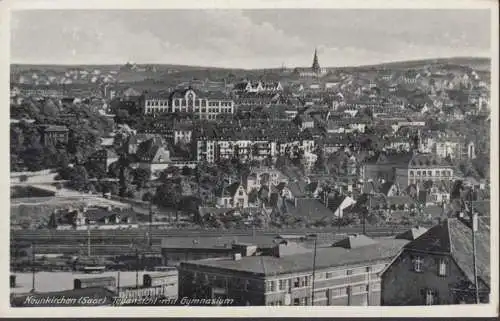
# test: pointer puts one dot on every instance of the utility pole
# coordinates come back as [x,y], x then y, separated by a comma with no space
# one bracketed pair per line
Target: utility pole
[150,237]
[315,236]
[32,267]
[118,284]
[365,212]
[88,241]
[136,267]
[474,230]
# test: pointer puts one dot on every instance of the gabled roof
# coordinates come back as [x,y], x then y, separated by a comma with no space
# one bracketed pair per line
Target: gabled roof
[426,160]
[105,153]
[334,201]
[454,237]
[309,208]
[354,241]
[230,190]
[412,234]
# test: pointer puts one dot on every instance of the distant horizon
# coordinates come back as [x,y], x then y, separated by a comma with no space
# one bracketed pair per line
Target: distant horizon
[258,68]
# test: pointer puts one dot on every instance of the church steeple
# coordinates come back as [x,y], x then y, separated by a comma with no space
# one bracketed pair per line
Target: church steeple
[315,66]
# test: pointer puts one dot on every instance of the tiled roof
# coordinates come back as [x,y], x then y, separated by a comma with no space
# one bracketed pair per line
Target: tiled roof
[383,250]
[399,200]
[309,208]
[230,191]
[454,237]
[412,234]
[354,241]
[54,128]
[426,160]
[220,242]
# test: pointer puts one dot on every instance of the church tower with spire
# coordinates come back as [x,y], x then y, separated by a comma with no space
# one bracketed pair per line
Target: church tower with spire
[315,66]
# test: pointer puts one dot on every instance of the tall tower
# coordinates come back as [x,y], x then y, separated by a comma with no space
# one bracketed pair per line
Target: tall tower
[315,66]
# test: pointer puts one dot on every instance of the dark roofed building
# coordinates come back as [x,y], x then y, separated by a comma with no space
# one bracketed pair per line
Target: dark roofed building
[343,276]
[52,134]
[438,266]
[308,209]
[412,234]
[103,158]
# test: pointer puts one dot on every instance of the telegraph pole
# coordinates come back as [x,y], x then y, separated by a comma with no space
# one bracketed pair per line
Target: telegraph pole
[136,267]
[32,267]
[314,269]
[150,237]
[315,236]
[474,230]
[366,212]
[88,241]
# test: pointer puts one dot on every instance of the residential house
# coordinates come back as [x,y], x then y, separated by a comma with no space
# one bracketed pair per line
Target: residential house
[153,157]
[258,86]
[103,158]
[337,203]
[52,134]
[233,195]
[438,267]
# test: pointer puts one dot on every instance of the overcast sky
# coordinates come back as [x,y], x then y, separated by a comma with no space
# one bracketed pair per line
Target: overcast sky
[246,38]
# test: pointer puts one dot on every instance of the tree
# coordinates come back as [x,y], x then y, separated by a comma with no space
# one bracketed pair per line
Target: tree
[95,170]
[114,170]
[187,171]
[141,177]
[167,195]
[319,165]
[253,196]
[147,197]
[125,181]
[78,178]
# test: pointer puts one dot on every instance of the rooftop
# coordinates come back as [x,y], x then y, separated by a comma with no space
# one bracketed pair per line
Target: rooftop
[383,250]
[454,237]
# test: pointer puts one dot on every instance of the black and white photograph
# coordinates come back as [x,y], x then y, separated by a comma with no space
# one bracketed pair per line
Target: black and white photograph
[246,157]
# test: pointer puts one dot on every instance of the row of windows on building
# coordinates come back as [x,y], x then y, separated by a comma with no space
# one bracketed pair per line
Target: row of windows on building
[285,284]
[419,180]
[429,173]
[333,293]
[418,266]
[223,110]
[184,103]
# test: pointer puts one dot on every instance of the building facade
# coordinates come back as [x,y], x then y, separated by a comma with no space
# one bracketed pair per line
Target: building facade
[52,135]
[437,268]
[422,168]
[346,274]
[188,101]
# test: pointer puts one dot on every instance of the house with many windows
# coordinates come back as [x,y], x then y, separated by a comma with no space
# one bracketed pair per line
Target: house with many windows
[422,168]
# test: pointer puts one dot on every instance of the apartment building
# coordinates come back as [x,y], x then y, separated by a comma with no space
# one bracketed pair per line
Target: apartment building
[424,167]
[251,141]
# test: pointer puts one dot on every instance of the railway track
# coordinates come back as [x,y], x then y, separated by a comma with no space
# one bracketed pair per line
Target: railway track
[158,232]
